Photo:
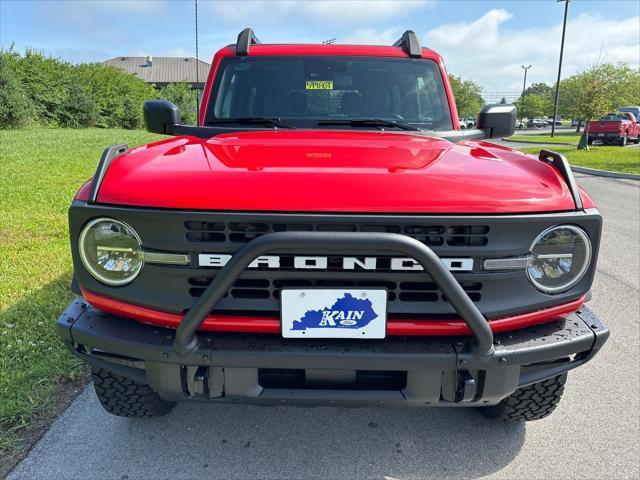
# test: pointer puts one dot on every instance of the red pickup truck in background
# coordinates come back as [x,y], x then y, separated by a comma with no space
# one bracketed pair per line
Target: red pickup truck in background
[618,128]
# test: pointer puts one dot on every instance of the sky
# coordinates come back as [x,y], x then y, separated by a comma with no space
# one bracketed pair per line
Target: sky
[484,41]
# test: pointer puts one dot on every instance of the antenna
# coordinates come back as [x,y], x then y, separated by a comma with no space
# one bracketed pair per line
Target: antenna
[197,70]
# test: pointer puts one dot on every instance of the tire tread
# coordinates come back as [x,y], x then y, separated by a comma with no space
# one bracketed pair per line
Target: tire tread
[533,402]
[125,397]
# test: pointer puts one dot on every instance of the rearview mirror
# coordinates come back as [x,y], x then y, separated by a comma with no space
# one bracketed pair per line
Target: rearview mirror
[160,116]
[498,120]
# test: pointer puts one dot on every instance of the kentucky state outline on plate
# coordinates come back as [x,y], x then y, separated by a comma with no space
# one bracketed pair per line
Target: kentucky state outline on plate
[346,312]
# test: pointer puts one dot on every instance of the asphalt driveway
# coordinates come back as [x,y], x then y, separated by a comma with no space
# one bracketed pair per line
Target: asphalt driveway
[593,433]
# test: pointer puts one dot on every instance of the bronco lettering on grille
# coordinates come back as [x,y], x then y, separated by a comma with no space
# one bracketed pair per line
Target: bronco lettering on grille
[348,263]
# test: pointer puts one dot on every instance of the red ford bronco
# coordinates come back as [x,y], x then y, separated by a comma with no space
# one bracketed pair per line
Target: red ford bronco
[327,235]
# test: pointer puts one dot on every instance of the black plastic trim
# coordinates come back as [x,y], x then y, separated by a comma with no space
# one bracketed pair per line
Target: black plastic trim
[410,43]
[246,38]
[75,286]
[108,156]
[209,132]
[128,372]
[521,357]
[560,162]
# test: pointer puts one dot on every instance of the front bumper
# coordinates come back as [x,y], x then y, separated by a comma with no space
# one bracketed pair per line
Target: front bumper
[399,371]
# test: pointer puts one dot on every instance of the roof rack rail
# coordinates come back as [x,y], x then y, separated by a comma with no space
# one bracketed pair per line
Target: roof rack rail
[246,38]
[409,42]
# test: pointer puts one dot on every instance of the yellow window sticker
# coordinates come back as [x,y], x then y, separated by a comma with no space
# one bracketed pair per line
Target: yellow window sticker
[319,85]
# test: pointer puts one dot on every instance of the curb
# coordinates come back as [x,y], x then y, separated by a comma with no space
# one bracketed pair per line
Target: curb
[606,173]
[539,143]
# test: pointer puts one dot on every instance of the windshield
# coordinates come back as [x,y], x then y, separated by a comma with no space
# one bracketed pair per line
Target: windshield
[305,91]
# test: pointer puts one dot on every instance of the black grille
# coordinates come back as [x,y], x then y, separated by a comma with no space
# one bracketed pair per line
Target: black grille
[258,290]
[261,289]
[477,237]
[432,235]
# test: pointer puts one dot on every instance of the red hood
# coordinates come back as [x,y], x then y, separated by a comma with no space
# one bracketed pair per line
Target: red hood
[333,171]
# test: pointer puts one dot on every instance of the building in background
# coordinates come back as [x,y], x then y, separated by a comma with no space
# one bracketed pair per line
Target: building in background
[160,71]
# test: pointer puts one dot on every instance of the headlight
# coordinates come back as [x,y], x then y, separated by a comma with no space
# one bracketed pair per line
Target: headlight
[560,257]
[111,251]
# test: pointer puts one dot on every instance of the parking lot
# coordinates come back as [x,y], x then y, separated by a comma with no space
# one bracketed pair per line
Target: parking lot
[593,433]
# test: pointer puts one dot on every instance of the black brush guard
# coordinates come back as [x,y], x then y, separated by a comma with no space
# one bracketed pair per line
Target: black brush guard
[186,338]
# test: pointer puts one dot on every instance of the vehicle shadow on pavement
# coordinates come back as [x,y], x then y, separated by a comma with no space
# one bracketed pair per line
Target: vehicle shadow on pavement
[294,442]
[241,441]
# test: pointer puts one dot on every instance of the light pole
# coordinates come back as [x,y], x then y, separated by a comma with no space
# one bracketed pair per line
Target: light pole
[524,84]
[557,97]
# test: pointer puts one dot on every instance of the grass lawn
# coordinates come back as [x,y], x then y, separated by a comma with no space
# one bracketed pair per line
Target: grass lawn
[563,137]
[617,159]
[41,169]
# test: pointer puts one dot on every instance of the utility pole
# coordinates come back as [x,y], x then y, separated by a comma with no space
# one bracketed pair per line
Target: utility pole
[197,69]
[557,97]
[524,84]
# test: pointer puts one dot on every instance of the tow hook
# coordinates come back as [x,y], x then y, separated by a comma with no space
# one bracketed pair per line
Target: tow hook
[198,381]
[466,387]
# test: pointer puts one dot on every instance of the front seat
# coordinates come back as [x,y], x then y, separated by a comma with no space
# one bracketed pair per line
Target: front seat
[350,104]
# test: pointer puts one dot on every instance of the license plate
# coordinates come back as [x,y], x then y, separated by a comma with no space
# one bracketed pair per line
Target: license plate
[601,134]
[333,313]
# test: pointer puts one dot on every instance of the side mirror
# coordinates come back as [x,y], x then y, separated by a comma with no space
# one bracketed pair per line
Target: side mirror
[160,116]
[498,120]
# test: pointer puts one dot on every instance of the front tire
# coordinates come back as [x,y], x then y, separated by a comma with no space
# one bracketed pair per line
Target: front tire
[532,402]
[623,141]
[125,397]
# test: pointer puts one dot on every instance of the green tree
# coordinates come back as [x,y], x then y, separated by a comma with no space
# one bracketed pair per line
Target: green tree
[16,109]
[544,91]
[468,96]
[599,90]
[540,89]
[184,98]
[533,105]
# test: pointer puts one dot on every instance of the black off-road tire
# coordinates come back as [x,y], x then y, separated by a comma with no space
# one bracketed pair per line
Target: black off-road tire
[124,397]
[533,402]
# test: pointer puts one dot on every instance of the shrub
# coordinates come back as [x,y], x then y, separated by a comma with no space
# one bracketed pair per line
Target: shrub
[118,96]
[45,81]
[184,98]
[78,108]
[15,107]
[40,90]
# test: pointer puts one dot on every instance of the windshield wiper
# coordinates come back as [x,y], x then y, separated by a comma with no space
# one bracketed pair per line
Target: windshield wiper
[373,122]
[269,121]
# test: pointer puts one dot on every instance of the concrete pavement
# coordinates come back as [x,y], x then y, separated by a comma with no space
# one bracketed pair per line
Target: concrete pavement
[592,434]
